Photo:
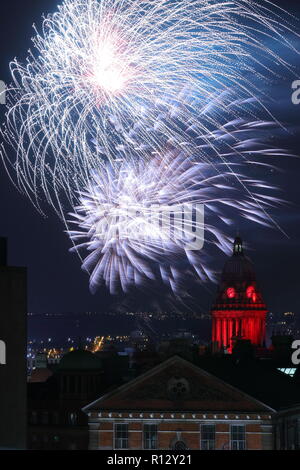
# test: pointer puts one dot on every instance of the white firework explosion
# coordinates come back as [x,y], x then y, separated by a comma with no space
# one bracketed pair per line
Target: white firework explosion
[131,76]
[124,220]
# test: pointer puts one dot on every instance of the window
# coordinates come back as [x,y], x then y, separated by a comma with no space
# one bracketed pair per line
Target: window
[56,442]
[121,436]
[207,436]
[288,370]
[282,433]
[297,434]
[238,439]
[45,417]
[150,436]
[55,417]
[73,419]
[292,435]
[72,384]
[33,417]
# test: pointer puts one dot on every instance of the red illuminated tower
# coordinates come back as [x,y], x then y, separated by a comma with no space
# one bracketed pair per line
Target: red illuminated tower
[239,311]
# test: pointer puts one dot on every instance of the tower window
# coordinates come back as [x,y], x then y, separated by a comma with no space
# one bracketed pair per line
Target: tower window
[249,292]
[230,292]
[238,246]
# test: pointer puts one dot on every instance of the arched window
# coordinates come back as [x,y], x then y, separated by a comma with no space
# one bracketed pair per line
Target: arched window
[179,445]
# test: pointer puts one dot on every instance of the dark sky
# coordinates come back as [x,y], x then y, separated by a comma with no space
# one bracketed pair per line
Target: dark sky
[56,282]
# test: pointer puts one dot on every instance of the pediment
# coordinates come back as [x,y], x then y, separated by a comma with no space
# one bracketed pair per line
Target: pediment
[177,384]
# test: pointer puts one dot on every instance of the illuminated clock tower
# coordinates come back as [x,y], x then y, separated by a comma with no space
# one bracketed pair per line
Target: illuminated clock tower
[239,311]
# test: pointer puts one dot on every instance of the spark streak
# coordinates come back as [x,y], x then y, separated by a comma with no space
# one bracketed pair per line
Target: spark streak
[131,76]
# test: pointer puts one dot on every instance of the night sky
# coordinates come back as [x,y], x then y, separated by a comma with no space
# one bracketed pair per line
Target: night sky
[56,282]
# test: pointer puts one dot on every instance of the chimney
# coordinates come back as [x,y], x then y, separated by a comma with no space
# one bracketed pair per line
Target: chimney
[3,251]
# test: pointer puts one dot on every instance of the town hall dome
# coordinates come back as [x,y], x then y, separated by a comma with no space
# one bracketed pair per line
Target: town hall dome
[239,311]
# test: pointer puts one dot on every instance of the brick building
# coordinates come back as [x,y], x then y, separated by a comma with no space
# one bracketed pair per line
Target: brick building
[177,405]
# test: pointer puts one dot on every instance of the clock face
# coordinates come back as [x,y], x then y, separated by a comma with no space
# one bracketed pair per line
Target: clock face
[230,292]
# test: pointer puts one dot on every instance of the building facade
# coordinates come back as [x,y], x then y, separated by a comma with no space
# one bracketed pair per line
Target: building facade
[55,419]
[13,367]
[176,405]
[287,429]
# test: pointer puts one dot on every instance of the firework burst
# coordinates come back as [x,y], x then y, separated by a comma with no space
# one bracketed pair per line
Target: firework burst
[130,76]
[144,223]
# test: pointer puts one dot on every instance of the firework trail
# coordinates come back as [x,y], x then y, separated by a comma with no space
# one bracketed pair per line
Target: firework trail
[128,78]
